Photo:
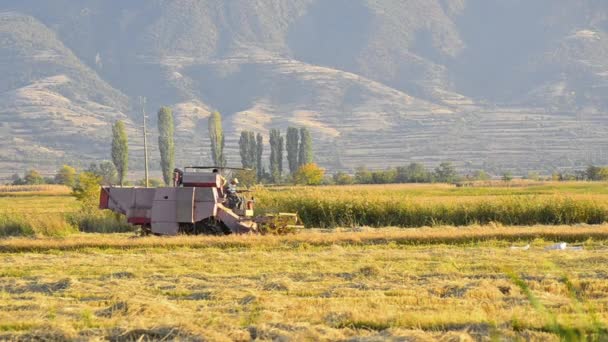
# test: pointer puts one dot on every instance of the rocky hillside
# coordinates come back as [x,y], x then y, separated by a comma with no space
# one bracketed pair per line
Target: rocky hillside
[498,85]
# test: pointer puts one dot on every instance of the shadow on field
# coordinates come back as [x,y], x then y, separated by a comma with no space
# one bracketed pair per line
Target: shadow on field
[155,334]
[37,287]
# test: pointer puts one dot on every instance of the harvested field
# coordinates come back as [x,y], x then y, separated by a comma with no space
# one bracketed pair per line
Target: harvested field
[312,286]
[319,238]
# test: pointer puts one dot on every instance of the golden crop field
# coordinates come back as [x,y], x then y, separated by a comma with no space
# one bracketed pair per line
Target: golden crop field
[431,205]
[479,282]
[33,190]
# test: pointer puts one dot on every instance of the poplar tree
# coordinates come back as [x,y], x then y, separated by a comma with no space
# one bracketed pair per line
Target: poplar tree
[253,151]
[166,143]
[120,150]
[248,149]
[259,152]
[305,155]
[293,140]
[276,155]
[243,148]
[216,135]
[280,148]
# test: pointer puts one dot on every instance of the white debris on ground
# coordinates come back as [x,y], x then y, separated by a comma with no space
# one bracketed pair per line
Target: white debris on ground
[524,248]
[562,246]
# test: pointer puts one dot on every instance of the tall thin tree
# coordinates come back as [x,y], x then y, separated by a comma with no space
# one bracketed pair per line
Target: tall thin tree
[145,134]
[293,141]
[276,154]
[216,135]
[166,143]
[120,150]
[247,148]
[305,152]
[280,148]
[259,152]
[243,145]
[252,151]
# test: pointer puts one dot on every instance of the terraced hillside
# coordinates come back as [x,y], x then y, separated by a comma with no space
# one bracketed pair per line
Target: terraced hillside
[53,107]
[488,84]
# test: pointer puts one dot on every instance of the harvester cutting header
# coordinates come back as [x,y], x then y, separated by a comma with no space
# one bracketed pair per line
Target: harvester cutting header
[199,202]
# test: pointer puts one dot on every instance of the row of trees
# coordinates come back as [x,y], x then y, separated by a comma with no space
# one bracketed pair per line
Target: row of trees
[413,173]
[311,174]
[299,148]
[592,173]
[307,173]
[446,173]
[67,175]
[31,177]
[297,142]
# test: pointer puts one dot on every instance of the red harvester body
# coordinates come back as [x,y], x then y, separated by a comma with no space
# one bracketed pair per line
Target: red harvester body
[195,205]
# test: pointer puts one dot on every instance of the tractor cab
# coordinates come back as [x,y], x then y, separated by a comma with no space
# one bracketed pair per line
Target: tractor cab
[211,177]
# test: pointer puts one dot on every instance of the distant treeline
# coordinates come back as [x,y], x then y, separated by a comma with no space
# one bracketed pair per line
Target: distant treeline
[105,173]
[446,173]
[413,173]
[313,175]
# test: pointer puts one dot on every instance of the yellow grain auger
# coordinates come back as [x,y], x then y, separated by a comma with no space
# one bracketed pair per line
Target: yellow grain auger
[197,203]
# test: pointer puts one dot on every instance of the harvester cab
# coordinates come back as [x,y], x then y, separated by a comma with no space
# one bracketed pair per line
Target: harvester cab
[195,176]
[197,203]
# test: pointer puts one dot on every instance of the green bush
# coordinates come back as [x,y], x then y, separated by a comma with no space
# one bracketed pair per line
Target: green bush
[15,226]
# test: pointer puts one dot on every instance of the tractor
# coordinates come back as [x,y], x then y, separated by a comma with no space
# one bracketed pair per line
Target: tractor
[197,203]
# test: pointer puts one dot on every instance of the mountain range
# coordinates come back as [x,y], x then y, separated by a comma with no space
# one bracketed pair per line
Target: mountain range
[486,84]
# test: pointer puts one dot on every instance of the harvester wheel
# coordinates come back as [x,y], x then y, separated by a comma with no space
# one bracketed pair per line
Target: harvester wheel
[211,226]
[145,230]
[187,228]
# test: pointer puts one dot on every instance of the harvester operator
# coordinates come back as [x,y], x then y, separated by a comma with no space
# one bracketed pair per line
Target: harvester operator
[234,200]
[178,176]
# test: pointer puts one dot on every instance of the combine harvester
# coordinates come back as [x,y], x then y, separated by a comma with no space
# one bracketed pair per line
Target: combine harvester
[196,204]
